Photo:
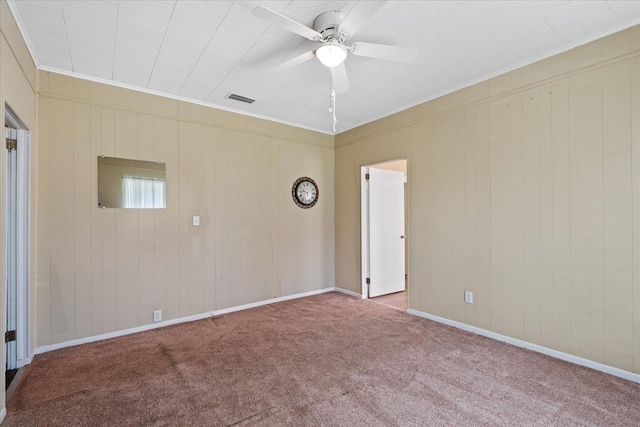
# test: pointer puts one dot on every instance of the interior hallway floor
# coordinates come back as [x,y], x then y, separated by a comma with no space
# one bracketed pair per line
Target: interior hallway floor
[397,300]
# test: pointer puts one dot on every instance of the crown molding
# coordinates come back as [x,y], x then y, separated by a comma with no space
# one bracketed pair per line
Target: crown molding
[176,97]
[23,32]
[594,37]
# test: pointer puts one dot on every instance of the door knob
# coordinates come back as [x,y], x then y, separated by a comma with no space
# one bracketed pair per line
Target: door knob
[402,237]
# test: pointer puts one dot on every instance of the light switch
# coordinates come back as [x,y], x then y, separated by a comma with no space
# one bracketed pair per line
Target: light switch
[196,221]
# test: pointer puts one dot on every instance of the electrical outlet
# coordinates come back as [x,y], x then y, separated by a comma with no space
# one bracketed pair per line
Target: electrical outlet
[196,221]
[157,316]
[468,297]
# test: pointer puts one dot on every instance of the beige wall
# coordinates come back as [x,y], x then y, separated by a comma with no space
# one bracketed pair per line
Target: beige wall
[525,190]
[18,90]
[103,270]
[521,189]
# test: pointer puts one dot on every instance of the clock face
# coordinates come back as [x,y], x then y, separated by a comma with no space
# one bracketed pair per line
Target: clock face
[305,192]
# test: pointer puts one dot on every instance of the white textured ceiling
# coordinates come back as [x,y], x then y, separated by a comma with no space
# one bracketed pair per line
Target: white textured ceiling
[202,50]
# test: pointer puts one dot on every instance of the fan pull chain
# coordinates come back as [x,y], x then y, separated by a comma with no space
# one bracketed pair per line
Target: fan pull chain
[332,105]
[333,102]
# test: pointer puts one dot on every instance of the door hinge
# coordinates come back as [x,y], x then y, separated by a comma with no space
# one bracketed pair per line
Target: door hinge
[9,336]
[366,176]
[368,281]
[11,144]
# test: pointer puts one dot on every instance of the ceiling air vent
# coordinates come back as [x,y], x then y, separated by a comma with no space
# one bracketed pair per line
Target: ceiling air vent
[240,98]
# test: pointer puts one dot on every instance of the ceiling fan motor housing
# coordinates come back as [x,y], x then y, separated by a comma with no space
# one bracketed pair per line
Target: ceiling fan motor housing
[327,24]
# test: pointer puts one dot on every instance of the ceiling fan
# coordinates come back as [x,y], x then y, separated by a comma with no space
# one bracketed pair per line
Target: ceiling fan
[327,40]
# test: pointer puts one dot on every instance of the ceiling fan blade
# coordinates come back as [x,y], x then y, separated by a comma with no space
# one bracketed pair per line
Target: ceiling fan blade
[359,15]
[383,51]
[297,60]
[340,79]
[285,23]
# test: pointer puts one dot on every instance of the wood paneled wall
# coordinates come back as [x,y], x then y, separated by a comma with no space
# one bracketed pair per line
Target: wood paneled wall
[524,189]
[103,270]
[18,90]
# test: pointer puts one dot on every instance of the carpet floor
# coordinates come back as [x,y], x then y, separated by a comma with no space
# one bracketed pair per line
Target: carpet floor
[328,359]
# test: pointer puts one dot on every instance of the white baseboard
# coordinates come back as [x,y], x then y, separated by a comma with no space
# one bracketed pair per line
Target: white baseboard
[23,362]
[3,414]
[534,347]
[347,292]
[114,334]
[270,301]
[108,335]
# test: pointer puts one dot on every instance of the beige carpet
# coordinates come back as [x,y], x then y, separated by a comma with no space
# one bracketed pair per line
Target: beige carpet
[329,359]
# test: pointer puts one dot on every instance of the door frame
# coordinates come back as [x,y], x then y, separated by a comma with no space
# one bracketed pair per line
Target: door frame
[364,223]
[23,234]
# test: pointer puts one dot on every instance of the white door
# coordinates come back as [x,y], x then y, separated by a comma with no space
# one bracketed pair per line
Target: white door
[386,232]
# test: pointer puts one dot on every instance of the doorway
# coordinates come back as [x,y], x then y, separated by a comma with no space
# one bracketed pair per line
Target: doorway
[384,242]
[16,245]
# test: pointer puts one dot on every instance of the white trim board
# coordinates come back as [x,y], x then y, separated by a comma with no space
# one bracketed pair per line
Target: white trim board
[23,223]
[24,362]
[23,33]
[3,414]
[541,57]
[108,335]
[365,250]
[513,341]
[534,347]
[177,98]
[270,301]
[348,292]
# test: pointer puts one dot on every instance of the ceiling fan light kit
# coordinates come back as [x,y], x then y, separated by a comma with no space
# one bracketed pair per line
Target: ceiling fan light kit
[331,54]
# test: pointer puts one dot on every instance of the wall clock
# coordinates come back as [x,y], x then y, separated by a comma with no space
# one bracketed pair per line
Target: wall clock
[305,192]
